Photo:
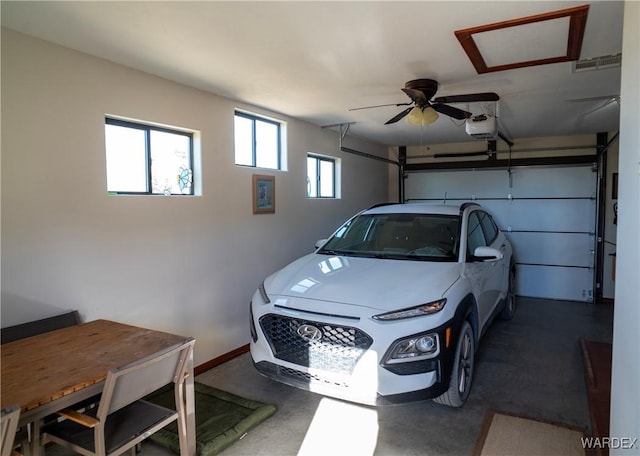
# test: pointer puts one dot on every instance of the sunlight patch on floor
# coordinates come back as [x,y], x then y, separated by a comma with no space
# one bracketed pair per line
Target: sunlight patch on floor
[341,428]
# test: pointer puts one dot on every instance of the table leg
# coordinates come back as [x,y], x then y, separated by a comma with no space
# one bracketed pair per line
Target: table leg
[190,408]
[33,447]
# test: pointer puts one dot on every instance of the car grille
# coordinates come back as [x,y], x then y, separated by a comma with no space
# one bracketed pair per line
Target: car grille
[337,350]
[309,378]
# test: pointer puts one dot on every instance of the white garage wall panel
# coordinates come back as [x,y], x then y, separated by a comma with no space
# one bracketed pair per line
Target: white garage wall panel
[548,214]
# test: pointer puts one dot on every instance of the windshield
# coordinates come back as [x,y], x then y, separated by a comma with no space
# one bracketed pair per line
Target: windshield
[430,237]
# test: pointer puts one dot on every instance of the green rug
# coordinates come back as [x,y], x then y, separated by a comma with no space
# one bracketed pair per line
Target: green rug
[221,419]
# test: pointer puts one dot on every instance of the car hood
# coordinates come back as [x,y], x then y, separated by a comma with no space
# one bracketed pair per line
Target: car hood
[380,284]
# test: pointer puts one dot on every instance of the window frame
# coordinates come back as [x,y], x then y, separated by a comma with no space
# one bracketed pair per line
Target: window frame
[487,223]
[254,156]
[147,128]
[475,217]
[319,159]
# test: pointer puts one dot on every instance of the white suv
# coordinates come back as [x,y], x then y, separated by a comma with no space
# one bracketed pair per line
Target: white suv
[390,308]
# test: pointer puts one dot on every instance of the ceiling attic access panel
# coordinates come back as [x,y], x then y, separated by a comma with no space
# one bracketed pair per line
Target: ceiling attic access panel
[534,40]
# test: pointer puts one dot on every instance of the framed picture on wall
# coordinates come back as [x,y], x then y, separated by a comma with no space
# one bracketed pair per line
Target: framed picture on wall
[264,194]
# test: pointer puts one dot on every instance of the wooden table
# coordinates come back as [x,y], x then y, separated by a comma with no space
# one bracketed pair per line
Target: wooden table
[48,372]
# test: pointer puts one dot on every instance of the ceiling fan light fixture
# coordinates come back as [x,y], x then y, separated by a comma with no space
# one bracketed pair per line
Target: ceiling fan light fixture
[415,116]
[429,116]
[422,116]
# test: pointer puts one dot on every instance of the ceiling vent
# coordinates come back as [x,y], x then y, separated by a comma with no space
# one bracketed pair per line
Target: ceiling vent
[598,63]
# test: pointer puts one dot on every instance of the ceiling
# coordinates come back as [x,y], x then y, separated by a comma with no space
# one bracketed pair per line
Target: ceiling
[317,60]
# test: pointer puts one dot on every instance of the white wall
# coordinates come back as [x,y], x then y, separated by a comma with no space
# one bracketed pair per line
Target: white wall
[625,379]
[187,265]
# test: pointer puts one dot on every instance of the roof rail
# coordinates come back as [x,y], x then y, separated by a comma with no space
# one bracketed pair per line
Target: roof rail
[382,204]
[463,206]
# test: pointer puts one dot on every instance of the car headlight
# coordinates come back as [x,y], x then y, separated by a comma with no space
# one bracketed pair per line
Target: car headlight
[416,347]
[263,294]
[410,312]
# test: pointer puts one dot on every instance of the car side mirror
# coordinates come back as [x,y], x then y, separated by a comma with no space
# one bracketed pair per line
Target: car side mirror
[484,253]
[320,243]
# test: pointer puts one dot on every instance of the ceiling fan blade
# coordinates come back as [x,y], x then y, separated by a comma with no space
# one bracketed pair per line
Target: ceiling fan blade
[380,106]
[451,111]
[468,98]
[397,117]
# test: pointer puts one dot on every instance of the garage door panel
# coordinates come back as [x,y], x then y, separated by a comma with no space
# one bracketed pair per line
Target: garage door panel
[573,284]
[558,249]
[549,214]
[560,215]
[570,182]
[457,184]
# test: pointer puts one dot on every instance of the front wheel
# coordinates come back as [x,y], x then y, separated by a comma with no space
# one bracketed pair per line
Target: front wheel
[462,373]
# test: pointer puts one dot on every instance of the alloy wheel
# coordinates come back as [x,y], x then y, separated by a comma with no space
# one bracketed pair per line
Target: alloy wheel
[464,365]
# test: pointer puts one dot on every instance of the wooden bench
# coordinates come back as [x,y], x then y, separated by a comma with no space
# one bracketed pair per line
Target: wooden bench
[32,328]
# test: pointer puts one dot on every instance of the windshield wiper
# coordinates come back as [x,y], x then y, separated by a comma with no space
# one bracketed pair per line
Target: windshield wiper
[417,256]
[368,255]
[332,252]
[352,253]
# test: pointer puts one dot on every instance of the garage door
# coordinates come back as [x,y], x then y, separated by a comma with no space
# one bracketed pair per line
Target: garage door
[549,214]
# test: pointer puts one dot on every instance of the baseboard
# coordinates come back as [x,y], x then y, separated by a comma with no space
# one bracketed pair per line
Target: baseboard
[220,360]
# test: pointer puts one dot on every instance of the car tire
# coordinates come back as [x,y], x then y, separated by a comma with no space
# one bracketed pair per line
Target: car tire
[462,372]
[509,309]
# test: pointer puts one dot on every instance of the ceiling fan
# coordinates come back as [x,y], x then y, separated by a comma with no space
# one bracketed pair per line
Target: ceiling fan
[421,92]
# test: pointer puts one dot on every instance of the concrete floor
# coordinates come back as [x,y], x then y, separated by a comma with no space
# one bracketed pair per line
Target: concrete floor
[531,366]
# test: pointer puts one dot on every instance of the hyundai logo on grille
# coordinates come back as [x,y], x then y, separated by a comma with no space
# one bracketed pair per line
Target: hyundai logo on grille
[309,332]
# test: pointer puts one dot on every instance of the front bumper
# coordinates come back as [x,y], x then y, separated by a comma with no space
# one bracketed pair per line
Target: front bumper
[342,390]
[350,366]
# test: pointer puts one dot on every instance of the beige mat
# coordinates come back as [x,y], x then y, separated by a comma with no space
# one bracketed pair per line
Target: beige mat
[508,435]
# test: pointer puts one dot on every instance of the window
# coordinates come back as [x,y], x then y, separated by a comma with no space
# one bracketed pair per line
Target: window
[482,231]
[321,177]
[398,236]
[258,141]
[148,159]
[489,227]
[475,236]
